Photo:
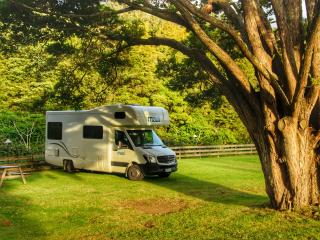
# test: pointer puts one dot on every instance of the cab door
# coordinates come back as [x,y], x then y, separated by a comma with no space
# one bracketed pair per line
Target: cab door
[123,153]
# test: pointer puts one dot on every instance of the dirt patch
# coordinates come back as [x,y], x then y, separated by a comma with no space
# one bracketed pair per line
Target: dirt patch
[149,224]
[6,223]
[157,206]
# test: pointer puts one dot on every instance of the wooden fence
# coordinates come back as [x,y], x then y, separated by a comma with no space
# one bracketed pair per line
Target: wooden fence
[37,161]
[29,163]
[214,150]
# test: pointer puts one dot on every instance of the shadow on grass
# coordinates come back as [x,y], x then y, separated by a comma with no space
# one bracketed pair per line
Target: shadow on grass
[208,191]
[53,175]
[16,215]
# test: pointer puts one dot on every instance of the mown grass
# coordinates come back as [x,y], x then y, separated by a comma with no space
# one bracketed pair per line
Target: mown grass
[212,198]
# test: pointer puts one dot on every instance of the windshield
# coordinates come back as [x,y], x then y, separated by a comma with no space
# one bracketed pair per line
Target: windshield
[142,138]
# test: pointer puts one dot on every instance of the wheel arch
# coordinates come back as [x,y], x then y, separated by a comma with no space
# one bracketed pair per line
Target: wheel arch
[129,165]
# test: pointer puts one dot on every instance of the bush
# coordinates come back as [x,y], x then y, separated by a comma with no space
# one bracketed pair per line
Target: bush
[26,132]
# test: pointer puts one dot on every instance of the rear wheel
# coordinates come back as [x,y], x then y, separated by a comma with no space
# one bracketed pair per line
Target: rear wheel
[68,166]
[135,173]
[164,175]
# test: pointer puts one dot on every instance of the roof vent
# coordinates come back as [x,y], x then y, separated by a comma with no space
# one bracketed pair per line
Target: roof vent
[119,115]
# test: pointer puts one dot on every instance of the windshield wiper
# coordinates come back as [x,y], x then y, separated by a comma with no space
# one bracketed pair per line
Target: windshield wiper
[154,145]
[146,147]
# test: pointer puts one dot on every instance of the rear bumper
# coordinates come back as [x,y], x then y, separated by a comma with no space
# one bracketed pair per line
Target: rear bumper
[154,168]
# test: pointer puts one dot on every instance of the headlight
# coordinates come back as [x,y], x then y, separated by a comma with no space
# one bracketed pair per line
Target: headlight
[150,158]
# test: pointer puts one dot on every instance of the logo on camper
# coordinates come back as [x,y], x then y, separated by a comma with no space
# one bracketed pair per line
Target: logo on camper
[153,119]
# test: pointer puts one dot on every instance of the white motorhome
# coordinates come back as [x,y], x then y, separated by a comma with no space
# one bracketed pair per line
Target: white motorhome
[114,139]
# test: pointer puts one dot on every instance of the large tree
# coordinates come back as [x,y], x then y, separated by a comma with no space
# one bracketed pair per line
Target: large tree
[280,107]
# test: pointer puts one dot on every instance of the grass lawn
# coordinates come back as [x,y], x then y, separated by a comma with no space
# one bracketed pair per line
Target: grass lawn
[208,198]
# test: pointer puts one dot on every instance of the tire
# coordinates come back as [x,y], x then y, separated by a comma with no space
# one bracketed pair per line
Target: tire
[135,173]
[68,166]
[164,175]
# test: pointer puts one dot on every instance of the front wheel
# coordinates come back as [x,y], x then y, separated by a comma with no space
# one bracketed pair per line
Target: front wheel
[135,173]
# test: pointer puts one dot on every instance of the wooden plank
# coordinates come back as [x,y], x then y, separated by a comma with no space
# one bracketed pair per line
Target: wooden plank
[216,154]
[18,158]
[213,146]
[217,150]
[214,150]
[14,176]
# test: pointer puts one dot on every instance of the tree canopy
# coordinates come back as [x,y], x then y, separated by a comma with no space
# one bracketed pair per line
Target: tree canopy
[76,71]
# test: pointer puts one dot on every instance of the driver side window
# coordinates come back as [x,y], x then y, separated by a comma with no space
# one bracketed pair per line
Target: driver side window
[121,140]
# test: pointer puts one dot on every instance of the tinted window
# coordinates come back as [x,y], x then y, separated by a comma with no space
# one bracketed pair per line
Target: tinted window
[144,138]
[93,132]
[121,139]
[119,115]
[54,130]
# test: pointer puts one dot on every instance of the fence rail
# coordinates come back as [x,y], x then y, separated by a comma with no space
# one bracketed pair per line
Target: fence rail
[37,161]
[214,150]
[29,163]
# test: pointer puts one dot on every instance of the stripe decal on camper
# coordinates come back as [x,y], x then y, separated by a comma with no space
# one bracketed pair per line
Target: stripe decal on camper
[64,147]
[119,164]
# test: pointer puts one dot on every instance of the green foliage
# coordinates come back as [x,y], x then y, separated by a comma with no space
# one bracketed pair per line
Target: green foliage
[25,79]
[26,132]
[50,61]
[204,126]
[59,48]
[185,75]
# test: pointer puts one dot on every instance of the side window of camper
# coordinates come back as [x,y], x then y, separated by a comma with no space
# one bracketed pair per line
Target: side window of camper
[121,139]
[54,130]
[93,132]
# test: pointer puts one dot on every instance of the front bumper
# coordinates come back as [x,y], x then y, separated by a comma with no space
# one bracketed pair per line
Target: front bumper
[154,168]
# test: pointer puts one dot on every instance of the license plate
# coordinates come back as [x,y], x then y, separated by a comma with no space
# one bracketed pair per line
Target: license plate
[167,170]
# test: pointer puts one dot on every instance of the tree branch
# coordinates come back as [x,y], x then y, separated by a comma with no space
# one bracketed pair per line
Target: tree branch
[41,12]
[222,56]
[216,77]
[311,6]
[251,14]
[316,139]
[290,32]
[229,89]
[218,52]
[266,29]
[234,17]
[268,74]
[313,97]
[306,65]
[163,14]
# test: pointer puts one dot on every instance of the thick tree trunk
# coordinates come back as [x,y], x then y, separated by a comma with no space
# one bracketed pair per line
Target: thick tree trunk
[290,165]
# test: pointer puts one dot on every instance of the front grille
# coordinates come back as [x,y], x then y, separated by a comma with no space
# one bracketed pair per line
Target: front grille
[166,159]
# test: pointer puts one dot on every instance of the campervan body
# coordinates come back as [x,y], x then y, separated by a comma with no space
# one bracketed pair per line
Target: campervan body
[114,139]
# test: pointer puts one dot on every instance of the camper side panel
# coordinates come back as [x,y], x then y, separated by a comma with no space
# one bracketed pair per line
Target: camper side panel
[79,137]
